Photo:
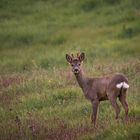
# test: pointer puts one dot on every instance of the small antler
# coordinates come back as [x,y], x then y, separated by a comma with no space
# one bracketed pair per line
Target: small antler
[72,55]
[77,54]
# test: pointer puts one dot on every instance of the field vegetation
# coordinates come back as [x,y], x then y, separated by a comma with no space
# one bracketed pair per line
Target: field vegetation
[39,96]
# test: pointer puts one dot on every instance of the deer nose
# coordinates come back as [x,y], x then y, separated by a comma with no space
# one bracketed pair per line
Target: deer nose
[76,70]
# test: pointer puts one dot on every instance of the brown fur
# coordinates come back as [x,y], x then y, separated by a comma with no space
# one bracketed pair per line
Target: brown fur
[100,88]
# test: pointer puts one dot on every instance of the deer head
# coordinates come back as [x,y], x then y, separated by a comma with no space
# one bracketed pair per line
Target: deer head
[75,62]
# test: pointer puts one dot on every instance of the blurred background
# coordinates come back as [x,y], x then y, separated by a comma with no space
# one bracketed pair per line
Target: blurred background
[36,83]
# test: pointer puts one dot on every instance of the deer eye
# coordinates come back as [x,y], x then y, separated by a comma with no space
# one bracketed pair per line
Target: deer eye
[79,64]
[72,65]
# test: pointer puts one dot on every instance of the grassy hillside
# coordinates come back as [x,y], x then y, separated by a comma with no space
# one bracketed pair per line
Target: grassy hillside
[39,96]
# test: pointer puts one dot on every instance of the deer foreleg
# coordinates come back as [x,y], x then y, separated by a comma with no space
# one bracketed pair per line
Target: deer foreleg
[94,112]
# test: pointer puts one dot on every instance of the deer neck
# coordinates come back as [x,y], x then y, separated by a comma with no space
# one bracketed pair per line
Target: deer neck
[82,80]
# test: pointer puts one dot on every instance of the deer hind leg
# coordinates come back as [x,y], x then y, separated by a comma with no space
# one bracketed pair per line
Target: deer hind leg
[113,100]
[124,103]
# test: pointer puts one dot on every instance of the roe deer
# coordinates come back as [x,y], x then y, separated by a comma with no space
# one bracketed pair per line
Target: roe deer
[100,88]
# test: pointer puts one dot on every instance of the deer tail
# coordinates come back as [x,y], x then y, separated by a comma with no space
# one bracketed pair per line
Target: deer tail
[122,85]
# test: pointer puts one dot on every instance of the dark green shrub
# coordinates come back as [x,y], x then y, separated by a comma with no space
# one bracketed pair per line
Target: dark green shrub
[88,5]
[58,41]
[111,2]
[128,32]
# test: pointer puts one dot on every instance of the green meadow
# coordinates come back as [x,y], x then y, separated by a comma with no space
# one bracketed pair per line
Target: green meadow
[39,95]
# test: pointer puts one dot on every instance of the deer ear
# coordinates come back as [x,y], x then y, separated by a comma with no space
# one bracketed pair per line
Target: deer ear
[82,57]
[68,58]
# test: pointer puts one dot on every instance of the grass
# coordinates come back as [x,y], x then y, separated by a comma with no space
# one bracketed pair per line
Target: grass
[39,96]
